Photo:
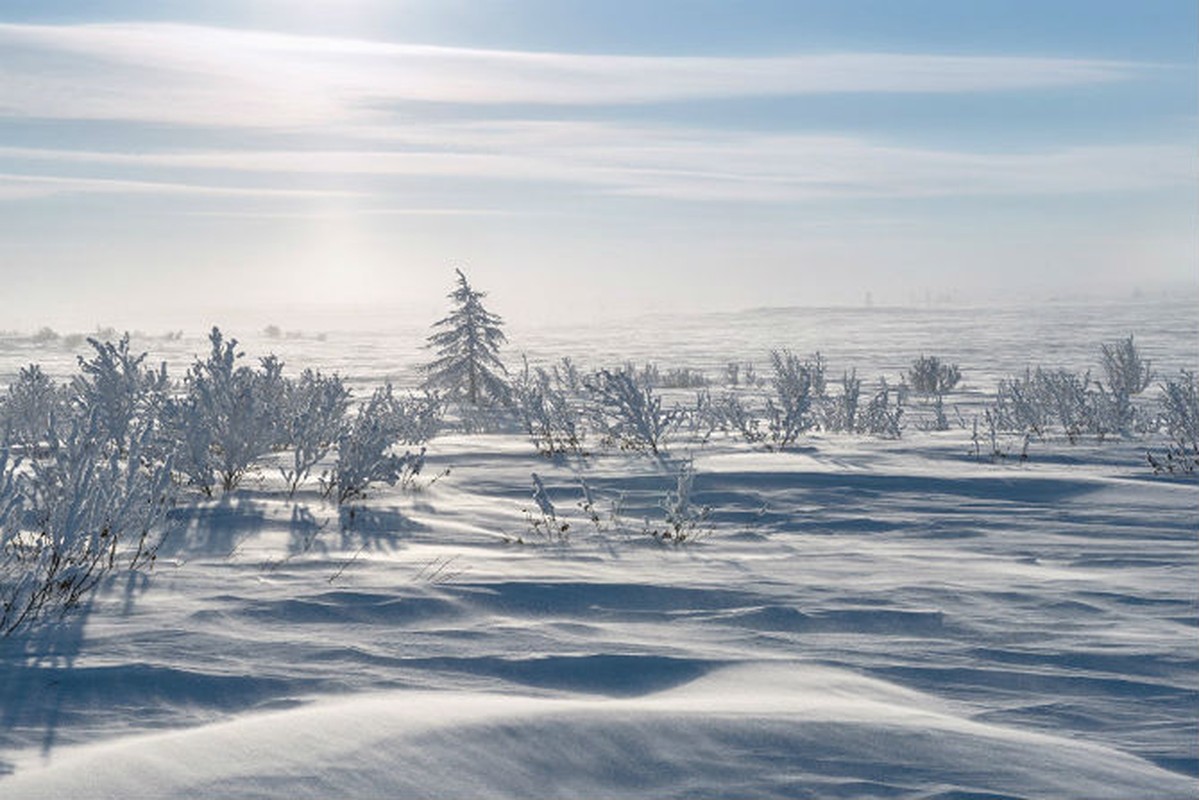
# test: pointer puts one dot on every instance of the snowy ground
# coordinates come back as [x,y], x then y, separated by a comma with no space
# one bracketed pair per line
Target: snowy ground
[863,618]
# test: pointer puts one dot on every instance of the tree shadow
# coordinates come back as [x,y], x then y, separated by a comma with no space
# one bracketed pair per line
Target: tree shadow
[212,529]
[367,528]
[37,663]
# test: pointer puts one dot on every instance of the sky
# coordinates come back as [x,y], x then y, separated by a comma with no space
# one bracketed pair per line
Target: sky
[172,161]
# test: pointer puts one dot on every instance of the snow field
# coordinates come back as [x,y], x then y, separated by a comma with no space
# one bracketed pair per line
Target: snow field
[863,618]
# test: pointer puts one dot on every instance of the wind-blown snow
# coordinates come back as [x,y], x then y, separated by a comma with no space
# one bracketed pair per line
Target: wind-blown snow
[865,618]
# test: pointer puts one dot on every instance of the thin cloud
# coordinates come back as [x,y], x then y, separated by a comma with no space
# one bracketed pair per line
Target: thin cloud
[631,160]
[195,75]
[19,185]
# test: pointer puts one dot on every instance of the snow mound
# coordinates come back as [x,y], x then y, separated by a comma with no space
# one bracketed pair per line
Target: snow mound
[761,730]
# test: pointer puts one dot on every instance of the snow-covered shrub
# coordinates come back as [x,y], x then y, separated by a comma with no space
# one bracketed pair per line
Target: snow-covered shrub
[544,521]
[1020,405]
[417,417]
[31,407]
[468,366]
[795,383]
[84,511]
[1079,406]
[44,335]
[230,416]
[930,376]
[679,517]
[117,392]
[12,507]
[629,413]
[704,417]
[683,520]
[735,417]
[843,409]
[648,375]
[682,378]
[883,415]
[750,374]
[364,451]
[272,390]
[1179,418]
[1127,374]
[1044,400]
[933,379]
[549,417]
[732,374]
[315,411]
[567,376]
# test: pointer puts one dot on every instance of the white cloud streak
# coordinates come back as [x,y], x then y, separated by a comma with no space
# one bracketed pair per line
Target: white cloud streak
[22,185]
[358,93]
[193,75]
[616,159]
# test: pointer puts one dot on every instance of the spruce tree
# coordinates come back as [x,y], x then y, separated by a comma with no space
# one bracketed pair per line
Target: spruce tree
[468,366]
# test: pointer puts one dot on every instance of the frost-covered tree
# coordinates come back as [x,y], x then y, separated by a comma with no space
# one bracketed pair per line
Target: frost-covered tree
[364,450]
[229,416]
[629,412]
[118,391]
[315,409]
[468,366]
[795,384]
[934,379]
[31,408]
[75,514]
[1128,373]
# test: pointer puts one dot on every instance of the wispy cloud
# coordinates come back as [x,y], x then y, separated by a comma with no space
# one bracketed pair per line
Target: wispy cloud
[359,95]
[185,74]
[617,159]
[22,185]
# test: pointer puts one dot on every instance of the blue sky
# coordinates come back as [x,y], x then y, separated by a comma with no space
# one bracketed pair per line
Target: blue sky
[583,159]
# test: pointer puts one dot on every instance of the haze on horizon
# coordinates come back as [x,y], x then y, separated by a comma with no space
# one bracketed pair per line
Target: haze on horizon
[586,159]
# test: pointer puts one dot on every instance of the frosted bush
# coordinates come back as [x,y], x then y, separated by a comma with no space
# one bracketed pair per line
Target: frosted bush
[550,419]
[732,374]
[629,413]
[883,415]
[930,376]
[73,516]
[271,394]
[704,416]
[315,412]
[844,408]
[567,377]
[230,417]
[795,383]
[544,522]
[1077,403]
[117,392]
[1127,373]
[44,335]
[683,520]
[417,417]
[1020,405]
[1044,400]
[933,379]
[733,416]
[679,517]
[364,451]
[682,378]
[1179,418]
[30,408]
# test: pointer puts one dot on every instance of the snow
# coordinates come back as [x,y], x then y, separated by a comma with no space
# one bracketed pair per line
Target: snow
[864,618]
